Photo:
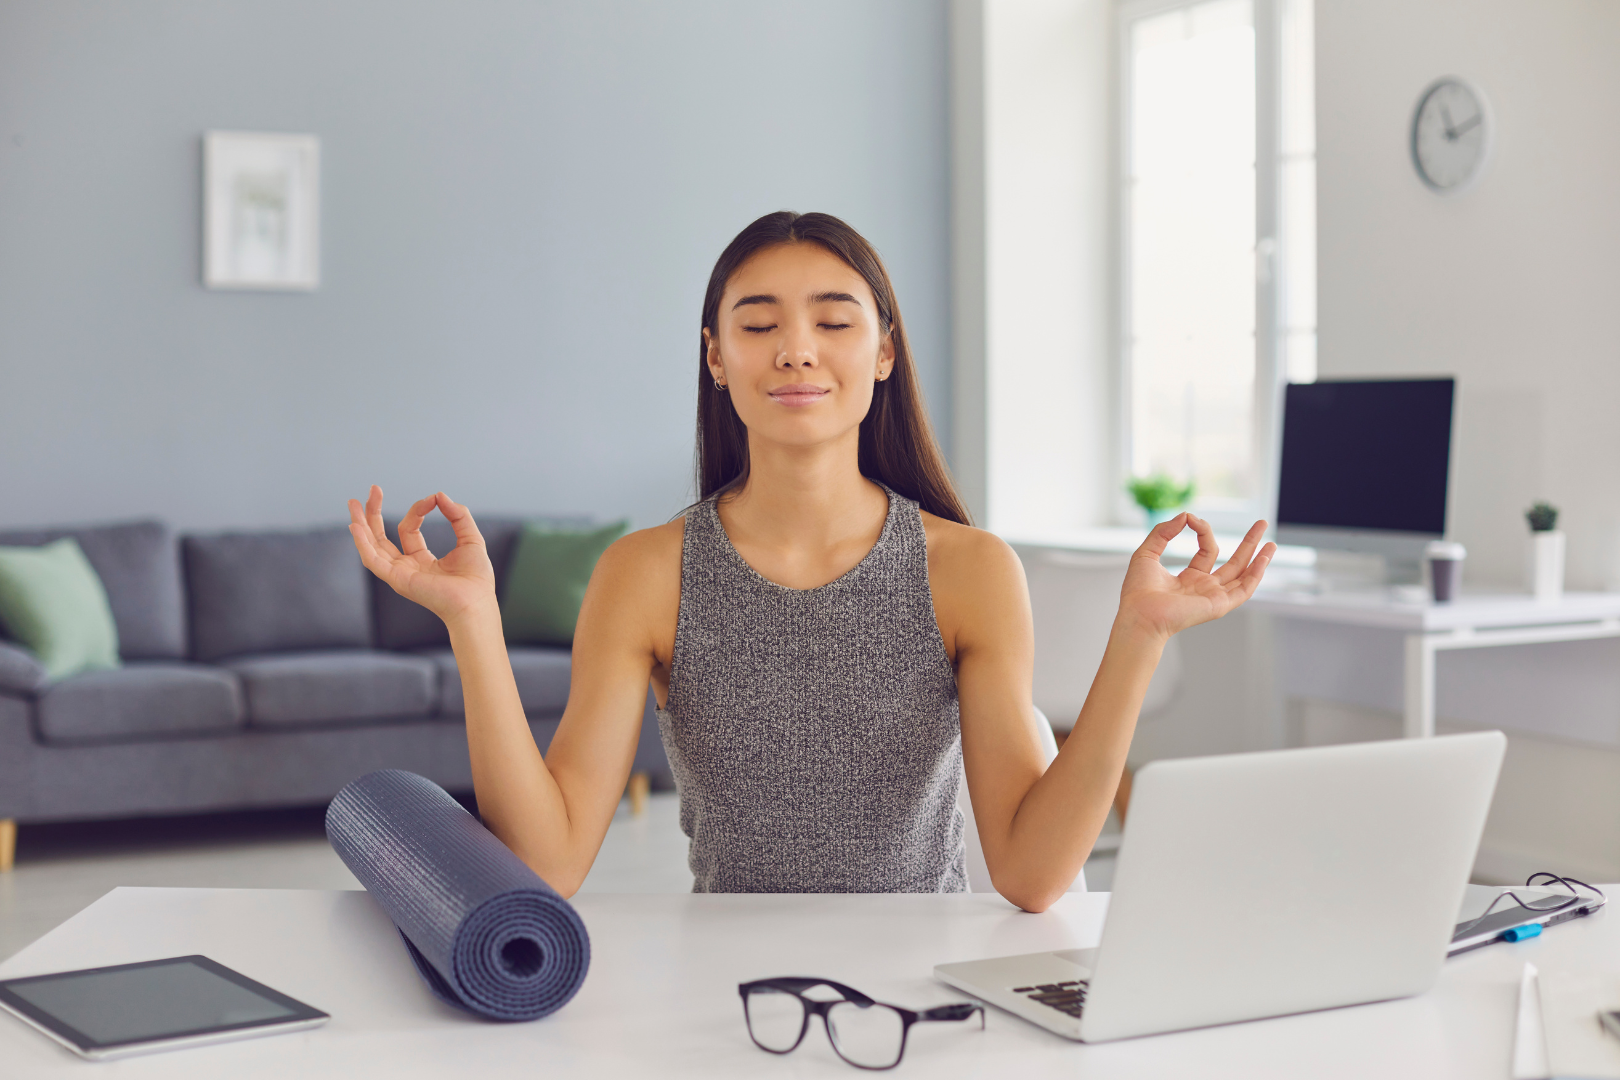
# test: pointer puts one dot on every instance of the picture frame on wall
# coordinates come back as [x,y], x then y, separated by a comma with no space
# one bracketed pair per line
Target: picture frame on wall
[261,211]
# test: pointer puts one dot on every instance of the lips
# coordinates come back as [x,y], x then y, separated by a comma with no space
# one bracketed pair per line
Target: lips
[798,394]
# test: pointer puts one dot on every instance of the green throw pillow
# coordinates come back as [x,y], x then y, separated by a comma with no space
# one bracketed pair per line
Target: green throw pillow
[546,584]
[52,603]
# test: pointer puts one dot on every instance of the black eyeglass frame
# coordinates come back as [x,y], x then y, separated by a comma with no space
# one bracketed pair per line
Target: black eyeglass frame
[797,985]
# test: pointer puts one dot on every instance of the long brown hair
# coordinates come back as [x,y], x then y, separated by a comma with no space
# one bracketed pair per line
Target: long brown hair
[897,444]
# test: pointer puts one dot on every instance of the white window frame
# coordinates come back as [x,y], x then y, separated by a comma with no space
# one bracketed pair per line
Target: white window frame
[1270,275]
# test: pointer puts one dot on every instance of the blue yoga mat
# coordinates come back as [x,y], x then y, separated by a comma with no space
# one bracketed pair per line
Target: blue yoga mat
[487,934]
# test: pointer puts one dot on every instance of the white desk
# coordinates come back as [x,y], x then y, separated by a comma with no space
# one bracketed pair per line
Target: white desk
[1473,621]
[661,997]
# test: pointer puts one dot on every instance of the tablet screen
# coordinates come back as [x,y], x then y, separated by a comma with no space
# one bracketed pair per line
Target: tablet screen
[162,999]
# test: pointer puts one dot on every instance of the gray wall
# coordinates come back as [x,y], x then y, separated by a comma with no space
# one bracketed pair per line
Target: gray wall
[522,201]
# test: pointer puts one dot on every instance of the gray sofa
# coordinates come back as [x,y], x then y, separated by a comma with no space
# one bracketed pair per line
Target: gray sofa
[261,669]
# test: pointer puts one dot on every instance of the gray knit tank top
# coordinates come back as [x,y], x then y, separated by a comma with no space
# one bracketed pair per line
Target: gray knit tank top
[814,733]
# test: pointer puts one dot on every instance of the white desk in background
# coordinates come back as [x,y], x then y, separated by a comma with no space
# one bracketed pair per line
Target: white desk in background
[661,997]
[1472,621]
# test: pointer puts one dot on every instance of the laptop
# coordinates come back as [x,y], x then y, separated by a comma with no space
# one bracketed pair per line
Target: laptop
[1257,885]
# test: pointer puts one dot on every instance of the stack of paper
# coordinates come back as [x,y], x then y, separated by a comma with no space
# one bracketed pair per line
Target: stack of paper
[1558,1033]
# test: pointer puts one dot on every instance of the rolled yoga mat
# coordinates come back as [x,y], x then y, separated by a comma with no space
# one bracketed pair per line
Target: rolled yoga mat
[486,933]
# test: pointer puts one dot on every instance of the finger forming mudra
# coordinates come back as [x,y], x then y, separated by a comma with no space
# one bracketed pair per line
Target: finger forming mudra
[447,585]
[1168,603]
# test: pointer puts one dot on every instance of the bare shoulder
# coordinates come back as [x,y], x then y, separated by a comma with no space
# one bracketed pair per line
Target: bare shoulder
[646,557]
[962,557]
[634,595]
[978,586]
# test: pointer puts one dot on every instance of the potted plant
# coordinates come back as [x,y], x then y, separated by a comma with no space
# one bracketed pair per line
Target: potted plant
[1159,496]
[1546,552]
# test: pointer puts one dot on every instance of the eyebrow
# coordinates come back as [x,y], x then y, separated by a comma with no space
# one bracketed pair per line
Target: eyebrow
[818,298]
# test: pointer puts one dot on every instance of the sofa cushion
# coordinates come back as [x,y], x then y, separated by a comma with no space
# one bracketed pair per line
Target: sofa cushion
[139,566]
[402,624]
[341,686]
[267,592]
[545,586]
[541,673]
[53,604]
[140,700]
[20,671]
[405,624]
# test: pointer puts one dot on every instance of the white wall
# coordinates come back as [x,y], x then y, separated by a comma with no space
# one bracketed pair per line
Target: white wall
[1511,286]
[1034,296]
[1050,300]
[523,199]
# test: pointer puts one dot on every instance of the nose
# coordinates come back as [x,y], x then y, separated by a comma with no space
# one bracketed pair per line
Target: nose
[798,350]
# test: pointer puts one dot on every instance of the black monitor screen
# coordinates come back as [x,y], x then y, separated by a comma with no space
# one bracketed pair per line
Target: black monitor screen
[1366,455]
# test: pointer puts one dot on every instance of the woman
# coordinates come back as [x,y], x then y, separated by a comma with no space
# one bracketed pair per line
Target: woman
[829,640]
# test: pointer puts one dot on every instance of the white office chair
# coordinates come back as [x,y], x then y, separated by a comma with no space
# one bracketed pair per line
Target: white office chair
[978,872]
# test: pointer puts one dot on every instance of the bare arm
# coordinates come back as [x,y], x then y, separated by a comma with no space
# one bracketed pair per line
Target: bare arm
[552,814]
[1038,823]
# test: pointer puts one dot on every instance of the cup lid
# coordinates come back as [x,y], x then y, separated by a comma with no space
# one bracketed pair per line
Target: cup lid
[1445,549]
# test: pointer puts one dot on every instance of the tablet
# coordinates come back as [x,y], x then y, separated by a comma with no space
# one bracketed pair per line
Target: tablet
[1549,909]
[112,1012]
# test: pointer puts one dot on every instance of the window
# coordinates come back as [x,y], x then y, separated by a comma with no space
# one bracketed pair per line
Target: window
[1217,268]
[1296,163]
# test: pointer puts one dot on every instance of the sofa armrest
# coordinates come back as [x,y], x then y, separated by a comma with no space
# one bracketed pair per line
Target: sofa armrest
[17,751]
[20,671]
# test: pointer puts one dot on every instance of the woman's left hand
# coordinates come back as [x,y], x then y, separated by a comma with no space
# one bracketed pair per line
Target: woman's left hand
[1155,600]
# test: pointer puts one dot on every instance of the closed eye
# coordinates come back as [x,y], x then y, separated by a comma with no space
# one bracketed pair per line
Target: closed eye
[759,329]
[834,326]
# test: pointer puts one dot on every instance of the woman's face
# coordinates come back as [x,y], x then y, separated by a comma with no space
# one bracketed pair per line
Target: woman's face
[798,345]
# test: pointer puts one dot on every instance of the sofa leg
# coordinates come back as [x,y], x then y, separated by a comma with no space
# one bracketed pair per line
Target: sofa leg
[640,785]
[8,843]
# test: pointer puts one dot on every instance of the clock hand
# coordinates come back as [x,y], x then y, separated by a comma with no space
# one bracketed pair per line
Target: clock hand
[1445,115]
[1472,122]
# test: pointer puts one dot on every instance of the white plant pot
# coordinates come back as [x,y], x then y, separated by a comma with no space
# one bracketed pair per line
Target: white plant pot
[1547,565]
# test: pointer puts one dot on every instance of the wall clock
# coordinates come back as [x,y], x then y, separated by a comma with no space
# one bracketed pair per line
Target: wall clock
[1451,135]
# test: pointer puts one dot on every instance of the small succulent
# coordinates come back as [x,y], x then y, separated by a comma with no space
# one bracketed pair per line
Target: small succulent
[1159,492]
[1543,517]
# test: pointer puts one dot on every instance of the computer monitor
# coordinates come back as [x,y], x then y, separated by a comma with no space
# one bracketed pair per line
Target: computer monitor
[1364,465]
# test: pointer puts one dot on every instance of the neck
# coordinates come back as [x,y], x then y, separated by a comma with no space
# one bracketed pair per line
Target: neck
[799,496]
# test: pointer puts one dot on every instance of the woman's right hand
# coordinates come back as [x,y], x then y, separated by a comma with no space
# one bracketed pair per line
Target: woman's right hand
[461,581]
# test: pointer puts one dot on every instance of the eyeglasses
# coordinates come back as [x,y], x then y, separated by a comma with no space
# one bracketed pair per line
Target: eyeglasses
[868,1034]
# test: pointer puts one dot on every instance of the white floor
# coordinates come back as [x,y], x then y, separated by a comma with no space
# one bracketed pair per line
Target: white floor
[63,868]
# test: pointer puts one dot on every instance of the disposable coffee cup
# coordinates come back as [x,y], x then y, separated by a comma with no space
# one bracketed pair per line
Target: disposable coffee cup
[1445,569]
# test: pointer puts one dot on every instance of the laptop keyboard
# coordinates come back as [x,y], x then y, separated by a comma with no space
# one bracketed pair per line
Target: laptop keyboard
[1065,997]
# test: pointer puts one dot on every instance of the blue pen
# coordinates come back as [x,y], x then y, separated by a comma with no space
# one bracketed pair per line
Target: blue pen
[1519,933]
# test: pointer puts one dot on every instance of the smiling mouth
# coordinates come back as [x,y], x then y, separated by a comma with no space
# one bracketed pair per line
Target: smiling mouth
[798,394]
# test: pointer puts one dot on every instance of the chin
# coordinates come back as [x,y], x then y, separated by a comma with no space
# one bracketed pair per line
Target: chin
[802,431]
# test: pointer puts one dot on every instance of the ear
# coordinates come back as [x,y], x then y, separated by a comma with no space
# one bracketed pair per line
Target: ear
[717,370]
[885,364]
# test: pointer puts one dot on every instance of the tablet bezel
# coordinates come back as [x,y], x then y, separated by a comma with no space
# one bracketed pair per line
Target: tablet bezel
[300,1015]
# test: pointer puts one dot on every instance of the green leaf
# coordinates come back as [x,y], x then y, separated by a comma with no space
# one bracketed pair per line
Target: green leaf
[1159,492]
